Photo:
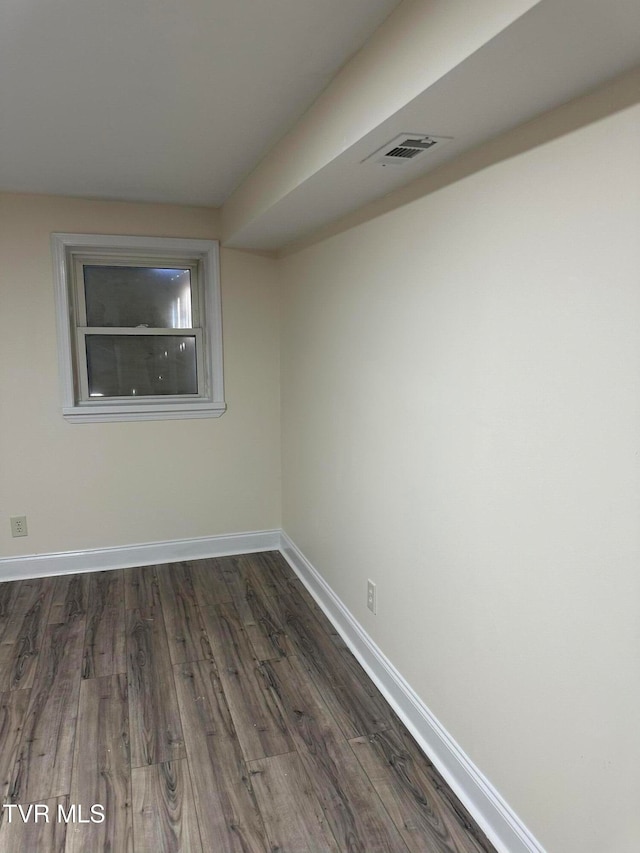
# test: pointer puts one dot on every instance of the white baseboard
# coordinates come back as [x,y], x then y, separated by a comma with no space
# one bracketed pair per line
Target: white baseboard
[501,825]
[126,556]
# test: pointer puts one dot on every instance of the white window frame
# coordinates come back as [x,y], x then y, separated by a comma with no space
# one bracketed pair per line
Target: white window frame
[70,252]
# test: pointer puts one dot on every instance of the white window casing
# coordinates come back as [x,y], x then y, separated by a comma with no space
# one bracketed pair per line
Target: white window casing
[198,258]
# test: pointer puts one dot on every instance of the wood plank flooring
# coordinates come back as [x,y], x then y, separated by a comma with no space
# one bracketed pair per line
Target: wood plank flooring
[207,707]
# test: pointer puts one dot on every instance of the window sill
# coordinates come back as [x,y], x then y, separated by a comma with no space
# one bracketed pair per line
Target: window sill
[144,412]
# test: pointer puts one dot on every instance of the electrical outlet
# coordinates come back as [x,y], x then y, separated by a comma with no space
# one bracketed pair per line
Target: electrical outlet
[18,525]
[372,599]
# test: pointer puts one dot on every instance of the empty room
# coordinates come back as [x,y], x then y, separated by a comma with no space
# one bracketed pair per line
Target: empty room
[320,426]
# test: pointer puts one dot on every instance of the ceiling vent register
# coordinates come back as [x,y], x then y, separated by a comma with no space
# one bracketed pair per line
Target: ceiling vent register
[406,148]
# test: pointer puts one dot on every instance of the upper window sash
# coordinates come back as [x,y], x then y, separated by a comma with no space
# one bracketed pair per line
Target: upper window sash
[198,308]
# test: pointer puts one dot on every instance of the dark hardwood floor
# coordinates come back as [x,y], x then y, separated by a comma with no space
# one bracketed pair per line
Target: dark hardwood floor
[207,707]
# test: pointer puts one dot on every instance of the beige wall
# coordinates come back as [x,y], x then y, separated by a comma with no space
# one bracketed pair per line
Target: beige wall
[101,485]
[461,424]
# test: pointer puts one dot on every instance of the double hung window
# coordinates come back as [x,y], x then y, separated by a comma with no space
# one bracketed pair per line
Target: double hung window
[139,326]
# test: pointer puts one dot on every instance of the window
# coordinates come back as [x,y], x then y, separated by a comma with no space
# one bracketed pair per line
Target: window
[139,327]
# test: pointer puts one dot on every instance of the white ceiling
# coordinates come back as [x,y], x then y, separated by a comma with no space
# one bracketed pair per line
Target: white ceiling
[161,100]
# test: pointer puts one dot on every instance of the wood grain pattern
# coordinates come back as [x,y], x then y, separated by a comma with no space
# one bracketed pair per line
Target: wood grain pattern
[259,725]
[141,588]
[13,709]
[271,564]
[203,706]
[209,580]
[293,817]
[458,812]
[257,570]
[69,599]
[227,810]
[8,595]
[22,595]
[32,836]
[411,789]
[240,590]
[164,814]
[299,593]
[216,697]
[175,580]
[260,618]
[279,565]
[101,767]
[356,704]
[186,633]
[43,767]
[104,646]
[300,598]
[351,806]
[156,732]
[21,640]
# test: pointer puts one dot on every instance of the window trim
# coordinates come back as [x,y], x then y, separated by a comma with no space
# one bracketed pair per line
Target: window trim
[66,248]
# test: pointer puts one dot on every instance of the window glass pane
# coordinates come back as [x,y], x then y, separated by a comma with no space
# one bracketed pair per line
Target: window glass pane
[138,296]
[141,365]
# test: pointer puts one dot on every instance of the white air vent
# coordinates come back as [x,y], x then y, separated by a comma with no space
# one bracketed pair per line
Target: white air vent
[406,148]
